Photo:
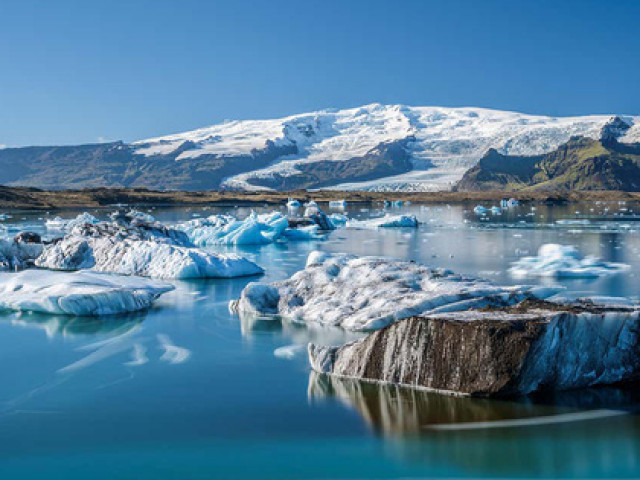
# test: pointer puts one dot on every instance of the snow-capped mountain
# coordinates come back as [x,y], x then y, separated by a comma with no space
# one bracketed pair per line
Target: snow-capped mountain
[374,147]
[441,143]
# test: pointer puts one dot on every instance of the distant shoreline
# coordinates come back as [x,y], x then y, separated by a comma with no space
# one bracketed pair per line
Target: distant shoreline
[24,198]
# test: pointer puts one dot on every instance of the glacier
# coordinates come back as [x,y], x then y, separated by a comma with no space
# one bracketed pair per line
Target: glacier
[77,293]
[369,293]
[555,260]
[442,143]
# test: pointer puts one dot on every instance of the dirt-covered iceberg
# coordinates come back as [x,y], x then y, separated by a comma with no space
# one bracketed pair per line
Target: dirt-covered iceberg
[508,351]
[368,293]
[77,293]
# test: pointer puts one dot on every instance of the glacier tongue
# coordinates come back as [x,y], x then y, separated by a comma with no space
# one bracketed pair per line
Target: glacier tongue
[78,293]
[368,293]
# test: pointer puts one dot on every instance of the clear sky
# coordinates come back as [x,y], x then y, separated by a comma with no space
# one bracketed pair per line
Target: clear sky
[91,70]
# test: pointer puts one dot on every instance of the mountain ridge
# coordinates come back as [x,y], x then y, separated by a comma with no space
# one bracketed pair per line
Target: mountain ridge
[373,147]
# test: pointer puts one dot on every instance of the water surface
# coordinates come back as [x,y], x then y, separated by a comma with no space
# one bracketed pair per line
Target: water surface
[185,390]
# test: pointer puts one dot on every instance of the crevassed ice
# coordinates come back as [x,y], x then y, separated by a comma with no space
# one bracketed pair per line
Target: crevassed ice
[77,293]
[368,293]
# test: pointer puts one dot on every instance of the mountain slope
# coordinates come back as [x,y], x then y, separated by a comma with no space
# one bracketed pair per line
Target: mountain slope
[374,147]
[580,164]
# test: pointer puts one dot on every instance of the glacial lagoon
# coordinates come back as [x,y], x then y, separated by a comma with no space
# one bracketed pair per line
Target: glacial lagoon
[186,390]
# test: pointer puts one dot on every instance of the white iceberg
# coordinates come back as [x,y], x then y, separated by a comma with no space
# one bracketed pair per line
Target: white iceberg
[338,219]
[227,230]
[341,204]
[78,293]
[480,210]
[309,232]
[368,293]
[142,257]
[555,260]
[388,221]
[18,255]
[61,224]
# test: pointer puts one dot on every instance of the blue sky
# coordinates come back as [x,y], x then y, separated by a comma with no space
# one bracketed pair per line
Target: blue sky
[80,71]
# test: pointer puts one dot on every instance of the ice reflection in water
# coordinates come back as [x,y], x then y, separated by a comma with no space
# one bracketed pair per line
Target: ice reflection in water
[421,427]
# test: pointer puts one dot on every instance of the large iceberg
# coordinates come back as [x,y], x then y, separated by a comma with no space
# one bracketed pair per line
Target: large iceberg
[368,293]
[77,293]
[501,351]
[227,230]
[388,221]
[555,260]
[149,250]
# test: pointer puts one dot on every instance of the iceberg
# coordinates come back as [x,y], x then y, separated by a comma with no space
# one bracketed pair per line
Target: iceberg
[77,293]
[555,260]
[61,224]
[227,230]
[368,293]
[17,255]
[515,350]
[340,204]
[480,210]
[148,250]
[388,221]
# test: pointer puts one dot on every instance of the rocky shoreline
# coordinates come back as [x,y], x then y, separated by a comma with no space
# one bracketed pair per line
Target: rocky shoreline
[36,199]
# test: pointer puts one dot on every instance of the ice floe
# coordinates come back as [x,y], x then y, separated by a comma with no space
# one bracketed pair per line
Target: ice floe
[388,221]
[368,293]
[77,293]
[555,260]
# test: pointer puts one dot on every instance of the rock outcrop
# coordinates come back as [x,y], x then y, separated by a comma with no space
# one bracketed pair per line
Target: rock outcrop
[496,352]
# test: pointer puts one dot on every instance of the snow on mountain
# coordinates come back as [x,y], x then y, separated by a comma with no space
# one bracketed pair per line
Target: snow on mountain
[442,143]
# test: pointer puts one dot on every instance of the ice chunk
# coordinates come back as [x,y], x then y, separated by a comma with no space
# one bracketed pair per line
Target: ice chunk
[78,293]
[388,221]
[480,210]
[338,219]
[227,230]
[368,293]
[61,224]
[555,260]
[142,257]
[342,204]
[17,254]
[302,233]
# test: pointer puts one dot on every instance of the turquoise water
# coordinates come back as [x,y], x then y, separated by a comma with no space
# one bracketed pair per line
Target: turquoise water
[102,398]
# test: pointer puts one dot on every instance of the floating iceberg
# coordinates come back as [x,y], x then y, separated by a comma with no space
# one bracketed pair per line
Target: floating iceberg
[148,250]
[78,293]
[60,224]
[16,255]
[309,232]
[342,204]
[555,260]
[338,219]
[388,221]
[227,230]
[368,293]
[504,351]
[480,210]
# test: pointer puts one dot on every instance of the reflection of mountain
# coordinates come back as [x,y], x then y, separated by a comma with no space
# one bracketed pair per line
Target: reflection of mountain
[68,325]
[606,447]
